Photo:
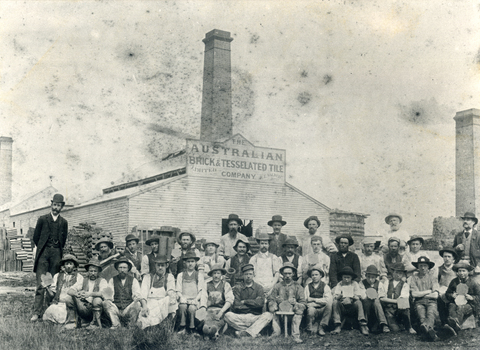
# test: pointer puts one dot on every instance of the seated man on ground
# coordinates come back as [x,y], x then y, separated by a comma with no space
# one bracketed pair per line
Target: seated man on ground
[292,293]
[319,300]
[126,302]
[372,306]
[247,316]
[87,297]
[158,289]
[347,296]
[57,312]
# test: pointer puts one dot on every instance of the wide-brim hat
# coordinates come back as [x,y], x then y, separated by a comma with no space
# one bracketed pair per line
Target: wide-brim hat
[399,267]
[310,218]
[372,270]
[347,270]
[372,240]
[69,257]
[153,239]
[235,247]
[423,260]
[462,265]
[209,241]
[192,236]
[317,267]
[160,259]
[350,239]
[289,265]
[387,218]
[277,218]
[469,215]
[123,260]
[263,237]
[93,262]
[416,238]
[217,267]
[449,250]
[131,237]
[290,241]
[235,218]
[103,240]
[58,198]
[190,255]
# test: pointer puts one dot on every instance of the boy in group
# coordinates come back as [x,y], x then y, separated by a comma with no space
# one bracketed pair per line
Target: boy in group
[293,293]
[394,296]
[462,303]
[211,257]
[219,297]
[319,300]
[415,244]
[393,256]
[158,289]
[289,254]
[347,296]
[316,257]
[190,286]
[57,312]
[249,299]
[371,302]
[238,261]
[445,275]
[424,289]
[87,297]
[368,257]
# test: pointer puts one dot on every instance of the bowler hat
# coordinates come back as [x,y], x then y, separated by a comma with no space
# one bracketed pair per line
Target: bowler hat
[235,247]
[469,215]
[310,218]
[103,240]
[247,267]
[69,257]
[153,239]
[234,217]
[217,267]
[372,270]
[277,218]
[93,262]
[317,267]
[192,237]
[350,239]
[131,237]
[347,270]
[209,241]
[286,265]
[290,241]
[449,250]
[462,265]
[416,238]
[190,254]
[58,198]
[392,215]
[263,237]
[423,260]
[160,259]
[123,260]
[399,267]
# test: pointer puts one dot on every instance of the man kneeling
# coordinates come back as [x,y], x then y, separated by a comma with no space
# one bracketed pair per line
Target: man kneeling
[86,297]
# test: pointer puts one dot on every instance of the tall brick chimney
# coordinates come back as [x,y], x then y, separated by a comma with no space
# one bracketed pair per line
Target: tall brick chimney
[467,162]
[5,169]
[216,120]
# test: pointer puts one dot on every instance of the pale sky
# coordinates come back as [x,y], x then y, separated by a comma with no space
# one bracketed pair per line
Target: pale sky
[361,95]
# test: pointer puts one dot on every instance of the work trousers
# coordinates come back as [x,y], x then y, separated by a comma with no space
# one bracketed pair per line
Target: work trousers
[185,311]
[83,308]
[277,329]
[252,324]
[460,312]
[442,306]
[316,312]
[374,307]
[127,315]
[48,261]
[395,315]
[426,309]
[340,310]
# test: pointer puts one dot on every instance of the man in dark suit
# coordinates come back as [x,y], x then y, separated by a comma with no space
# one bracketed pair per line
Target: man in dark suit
[49,237]
[278,238]
[467,242]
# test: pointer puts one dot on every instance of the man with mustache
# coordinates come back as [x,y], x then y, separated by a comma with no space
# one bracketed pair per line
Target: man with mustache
[368,257]
[344,258]
[395,220]
[227,242]
[467,242]
[312,223]
[289,254]
[49,237]
[186,241]
[126,302]
[105,247]
[238,261]
[58,312]
[278,238]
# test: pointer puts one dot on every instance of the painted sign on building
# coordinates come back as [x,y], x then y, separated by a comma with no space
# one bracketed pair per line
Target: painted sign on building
[235,158]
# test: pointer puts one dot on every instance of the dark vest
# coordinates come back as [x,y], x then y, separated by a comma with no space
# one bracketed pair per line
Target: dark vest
[123,294]
[53,240]
[158,283]
[220,288]
[237,265]
[394,293]
[60,284]
[368,285]
[96,285]
[151,263]
[316,292]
